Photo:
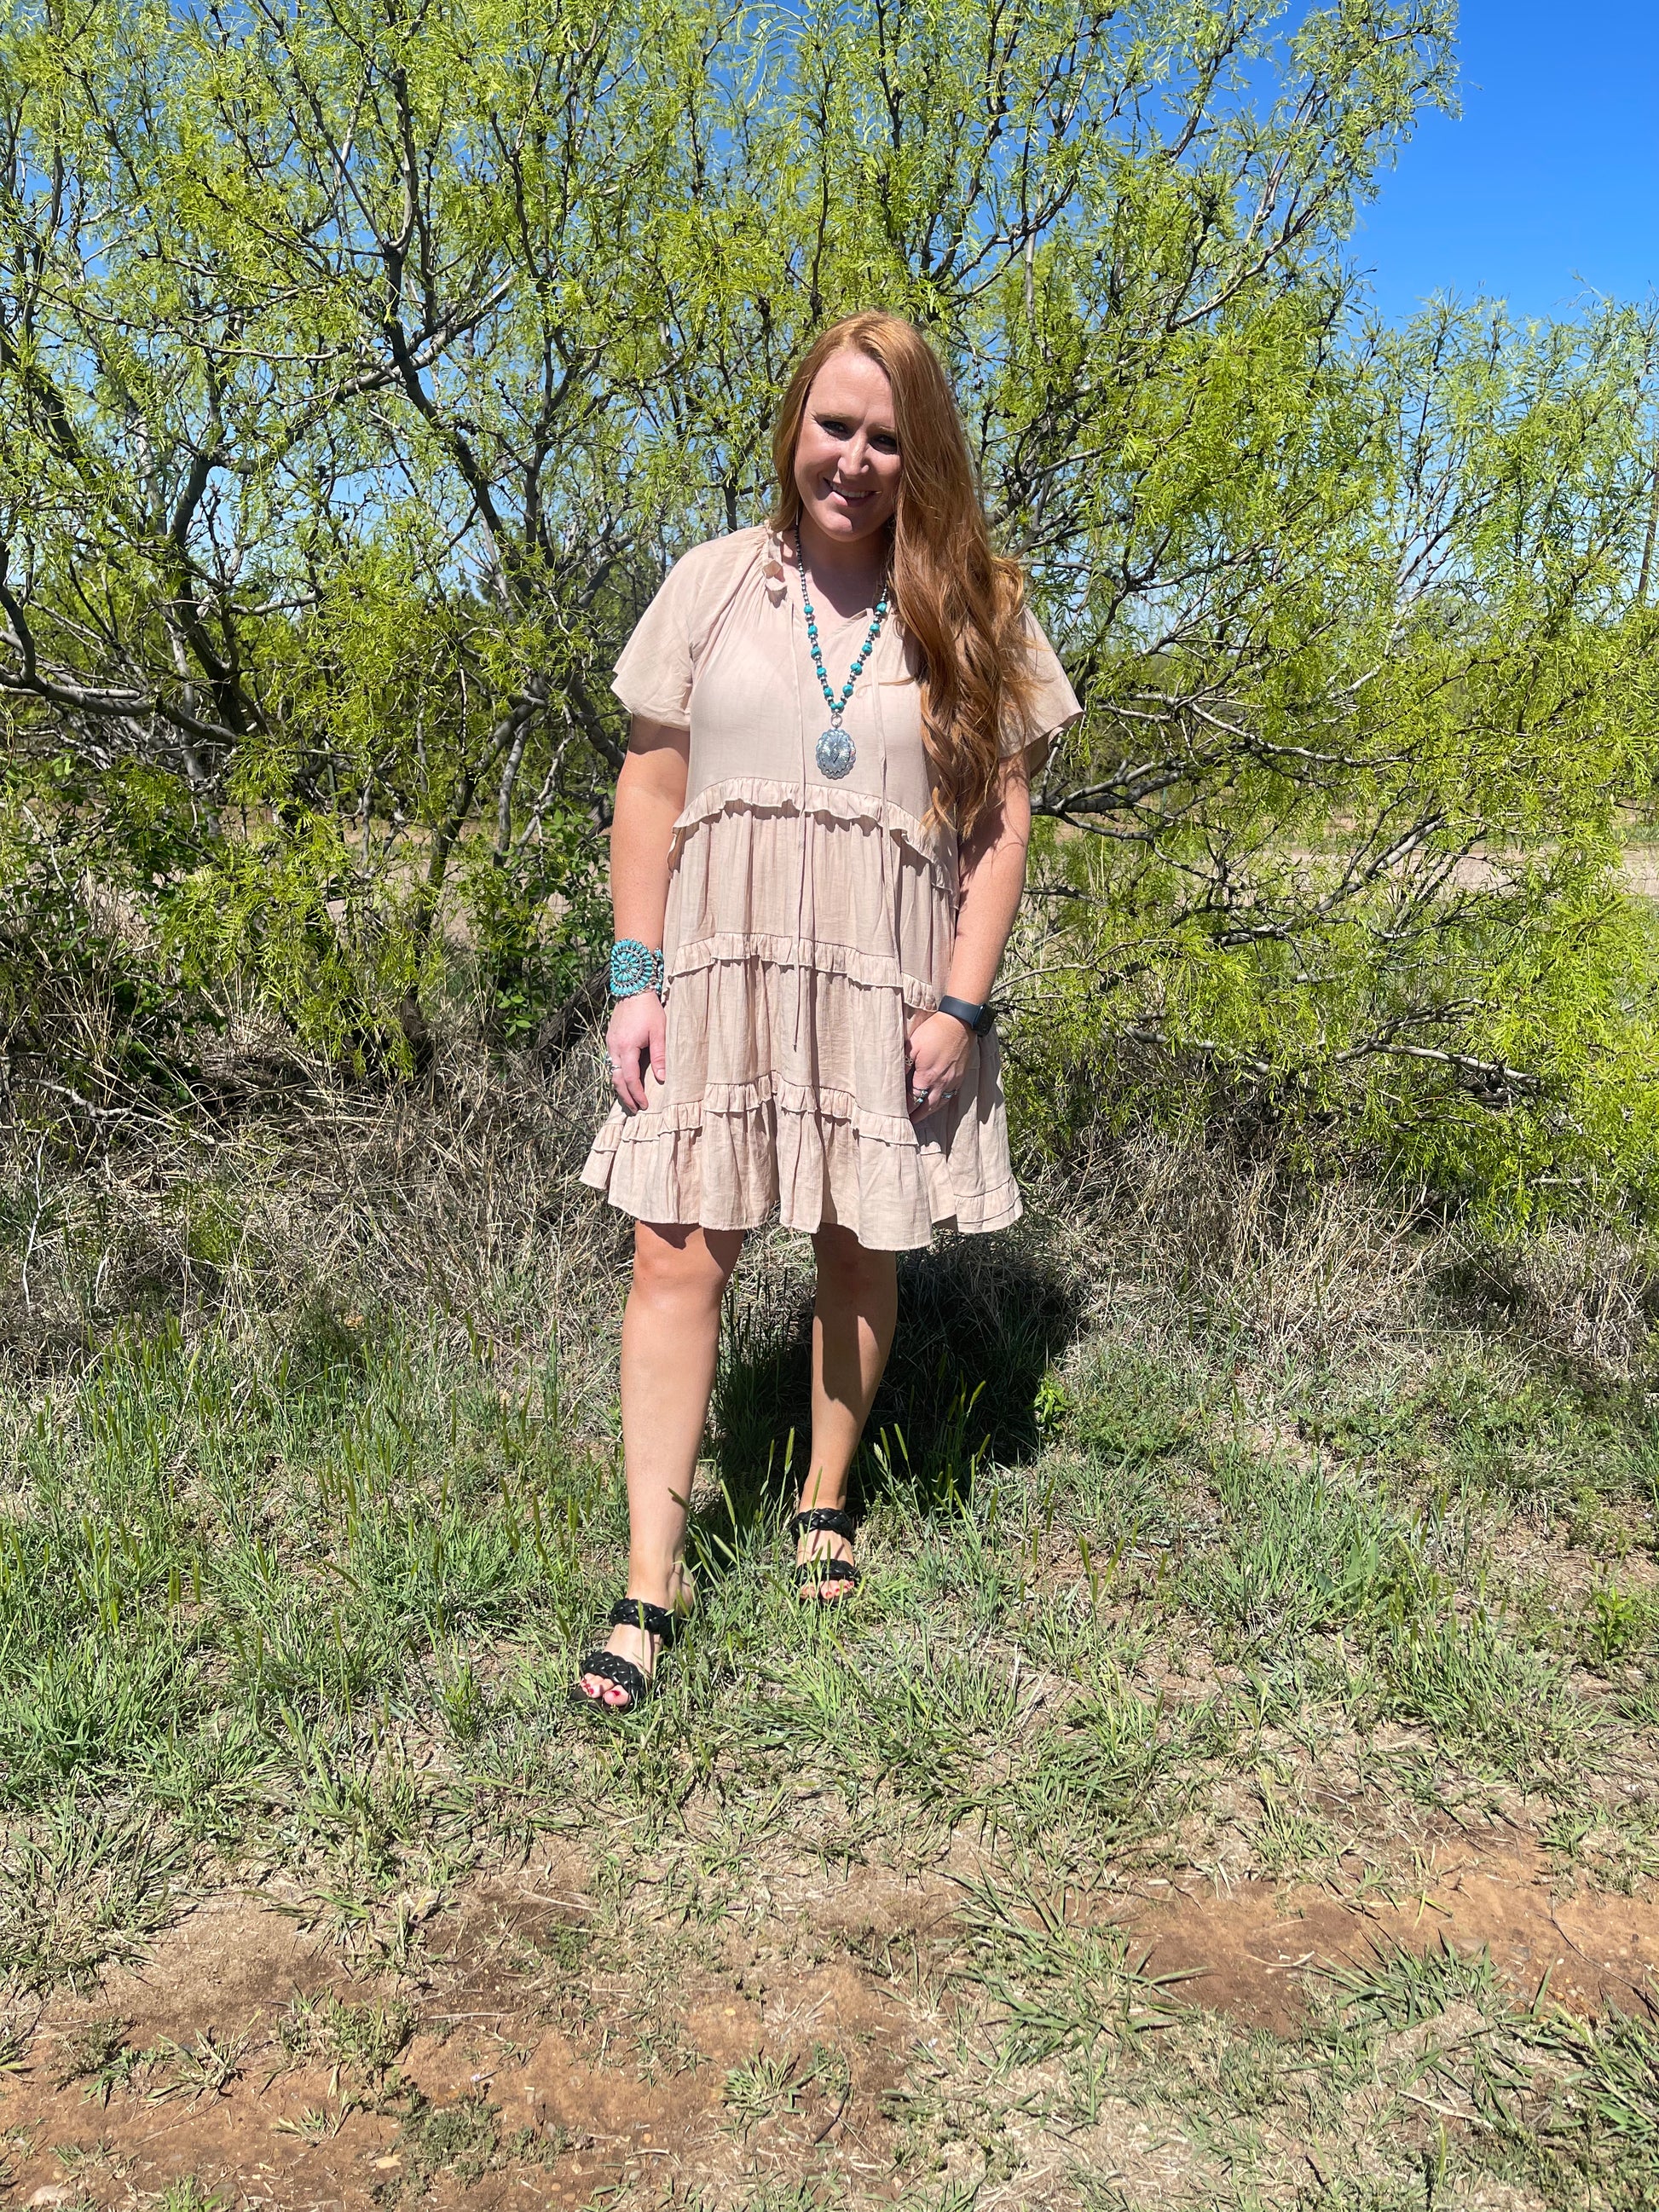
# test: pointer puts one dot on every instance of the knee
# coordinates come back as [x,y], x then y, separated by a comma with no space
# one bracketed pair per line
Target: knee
[849,1270]
[677,1263]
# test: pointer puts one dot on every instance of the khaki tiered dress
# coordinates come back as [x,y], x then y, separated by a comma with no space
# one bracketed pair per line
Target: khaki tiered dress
[808,924]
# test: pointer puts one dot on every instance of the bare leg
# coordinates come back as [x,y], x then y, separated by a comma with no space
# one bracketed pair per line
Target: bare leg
[853,1320]
[670,1341]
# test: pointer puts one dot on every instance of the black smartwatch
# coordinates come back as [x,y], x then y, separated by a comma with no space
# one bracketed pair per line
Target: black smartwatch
[977,1018]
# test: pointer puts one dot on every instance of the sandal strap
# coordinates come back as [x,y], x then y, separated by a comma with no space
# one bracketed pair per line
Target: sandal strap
[623,1672]
[825,1571]
[638,1612]
[824,1516]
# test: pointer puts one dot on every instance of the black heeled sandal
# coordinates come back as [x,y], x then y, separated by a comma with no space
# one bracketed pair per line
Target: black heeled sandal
[811,1573]
[627,1613]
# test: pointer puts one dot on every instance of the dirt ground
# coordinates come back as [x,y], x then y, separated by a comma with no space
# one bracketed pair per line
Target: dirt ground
[514,2088]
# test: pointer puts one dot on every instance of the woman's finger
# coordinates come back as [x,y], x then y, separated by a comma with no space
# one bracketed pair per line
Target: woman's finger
[940,1083]
[625,1074]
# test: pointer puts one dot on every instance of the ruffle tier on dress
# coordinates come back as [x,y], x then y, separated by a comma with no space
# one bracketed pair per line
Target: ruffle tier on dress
[809,924]
[787,1082]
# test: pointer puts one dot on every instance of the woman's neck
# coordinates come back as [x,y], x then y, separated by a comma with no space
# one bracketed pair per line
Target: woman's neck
[846,573]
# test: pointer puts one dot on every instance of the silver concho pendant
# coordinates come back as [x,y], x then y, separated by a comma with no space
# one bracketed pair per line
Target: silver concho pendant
[835,754]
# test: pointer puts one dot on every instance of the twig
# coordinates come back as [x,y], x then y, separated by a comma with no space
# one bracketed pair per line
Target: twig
[834,2116]
[1449,2111]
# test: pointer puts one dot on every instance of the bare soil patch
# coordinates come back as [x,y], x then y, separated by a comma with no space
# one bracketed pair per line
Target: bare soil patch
[1249,1951]
[548,2054]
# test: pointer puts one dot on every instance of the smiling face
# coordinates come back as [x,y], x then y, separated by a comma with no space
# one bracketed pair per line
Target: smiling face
[847,455]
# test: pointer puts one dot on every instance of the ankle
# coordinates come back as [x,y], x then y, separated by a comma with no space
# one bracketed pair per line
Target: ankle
[653,1582]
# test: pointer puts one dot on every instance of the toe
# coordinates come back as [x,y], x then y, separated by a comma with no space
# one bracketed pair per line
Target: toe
[824,1589]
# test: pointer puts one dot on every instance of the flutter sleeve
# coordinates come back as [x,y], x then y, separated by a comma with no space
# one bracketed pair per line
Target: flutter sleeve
[1054,704]
[653,672]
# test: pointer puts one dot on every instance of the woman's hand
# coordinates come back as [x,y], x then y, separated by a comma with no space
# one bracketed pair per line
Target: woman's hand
[936,1051]
[637,1032]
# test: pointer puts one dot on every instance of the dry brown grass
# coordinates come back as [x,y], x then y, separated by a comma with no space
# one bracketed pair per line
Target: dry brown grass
[457,1194]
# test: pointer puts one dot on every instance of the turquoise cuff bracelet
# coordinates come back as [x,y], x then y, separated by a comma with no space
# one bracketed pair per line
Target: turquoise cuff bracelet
[634,968]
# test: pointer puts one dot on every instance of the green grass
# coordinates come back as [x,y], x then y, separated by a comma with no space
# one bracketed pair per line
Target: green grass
[292,1588]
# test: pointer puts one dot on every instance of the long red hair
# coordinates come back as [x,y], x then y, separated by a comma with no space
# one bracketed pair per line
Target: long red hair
[961,604]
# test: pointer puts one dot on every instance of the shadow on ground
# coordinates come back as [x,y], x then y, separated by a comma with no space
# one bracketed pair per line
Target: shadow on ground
[980,1324]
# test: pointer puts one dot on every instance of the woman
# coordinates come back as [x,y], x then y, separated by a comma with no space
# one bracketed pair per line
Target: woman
[819,846]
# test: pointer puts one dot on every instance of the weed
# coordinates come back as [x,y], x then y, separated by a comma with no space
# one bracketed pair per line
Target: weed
[1051,1405]
[1098,1766]
[16,2035]
[462,1704]
[1289,1837]
[759,2090]
[82,1887]
[1302,1553]
[1398,1987]
[360,2040]
[1610,2098]
[1469,1682]
[1615,1847]
[460,2140]
[205,2068]
[1622,1623]
[98,2053]
[1057,1980]
[830,2067]
[315,2125]
[190,2195]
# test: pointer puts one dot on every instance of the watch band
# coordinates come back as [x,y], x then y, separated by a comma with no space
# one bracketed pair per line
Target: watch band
[977,1018]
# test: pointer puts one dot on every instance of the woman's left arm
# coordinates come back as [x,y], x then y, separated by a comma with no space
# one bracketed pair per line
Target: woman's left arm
[993,877]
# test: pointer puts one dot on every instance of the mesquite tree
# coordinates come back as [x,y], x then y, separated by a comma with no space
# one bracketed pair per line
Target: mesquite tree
[362,363]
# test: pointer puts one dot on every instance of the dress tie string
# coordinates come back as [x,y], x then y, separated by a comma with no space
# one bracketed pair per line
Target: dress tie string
[806,879]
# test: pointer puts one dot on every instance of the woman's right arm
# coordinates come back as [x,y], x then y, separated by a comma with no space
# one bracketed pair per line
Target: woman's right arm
[650,796]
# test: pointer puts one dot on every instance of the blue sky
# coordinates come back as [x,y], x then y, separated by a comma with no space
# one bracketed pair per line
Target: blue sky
[1550,181]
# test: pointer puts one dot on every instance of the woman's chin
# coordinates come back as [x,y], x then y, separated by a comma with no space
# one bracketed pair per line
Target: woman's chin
[837,521]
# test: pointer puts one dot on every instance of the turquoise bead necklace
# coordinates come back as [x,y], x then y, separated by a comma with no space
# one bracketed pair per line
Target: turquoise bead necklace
[835,752]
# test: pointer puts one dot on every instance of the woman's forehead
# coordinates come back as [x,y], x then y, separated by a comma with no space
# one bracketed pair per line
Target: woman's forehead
[853,379]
